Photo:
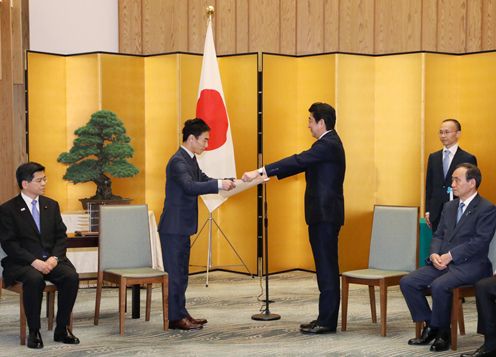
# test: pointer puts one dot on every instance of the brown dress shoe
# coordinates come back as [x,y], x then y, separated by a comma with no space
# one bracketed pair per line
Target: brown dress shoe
[184,324]
[196,321]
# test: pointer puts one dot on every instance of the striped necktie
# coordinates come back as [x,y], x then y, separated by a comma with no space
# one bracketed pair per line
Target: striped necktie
[460,212]
[36,214]
[446,162]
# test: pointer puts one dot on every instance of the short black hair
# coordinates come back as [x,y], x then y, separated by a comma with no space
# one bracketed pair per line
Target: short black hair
[26,171]
[457,123]
[473,172]
[194,127]
[324,111]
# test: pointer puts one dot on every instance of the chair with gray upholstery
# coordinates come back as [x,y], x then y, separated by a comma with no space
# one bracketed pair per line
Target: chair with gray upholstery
[125,257]
[393,254]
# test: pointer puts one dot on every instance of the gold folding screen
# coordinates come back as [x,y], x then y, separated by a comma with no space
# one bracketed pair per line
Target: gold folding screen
[388,113]
[153,96]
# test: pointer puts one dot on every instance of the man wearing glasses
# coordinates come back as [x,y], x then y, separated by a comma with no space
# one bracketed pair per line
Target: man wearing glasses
[440,167]
[33,236]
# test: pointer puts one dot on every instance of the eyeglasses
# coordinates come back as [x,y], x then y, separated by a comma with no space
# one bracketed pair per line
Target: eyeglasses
[446,132]
[40,179]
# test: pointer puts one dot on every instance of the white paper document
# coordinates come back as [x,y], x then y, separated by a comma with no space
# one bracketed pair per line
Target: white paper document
[243,186]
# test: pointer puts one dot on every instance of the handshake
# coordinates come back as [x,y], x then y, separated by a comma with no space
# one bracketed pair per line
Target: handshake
[230,183]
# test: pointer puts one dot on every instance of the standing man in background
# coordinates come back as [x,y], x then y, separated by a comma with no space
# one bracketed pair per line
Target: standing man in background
[33,236]
[440,167]
[179,220]
[324,167]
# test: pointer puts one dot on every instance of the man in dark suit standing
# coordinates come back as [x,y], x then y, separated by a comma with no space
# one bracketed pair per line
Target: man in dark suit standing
[440,167]
[179,220]
[324,167]
[458,257]
[485,293]
[33,236]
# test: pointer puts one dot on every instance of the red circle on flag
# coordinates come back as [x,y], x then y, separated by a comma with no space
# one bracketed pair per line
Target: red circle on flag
[211,109]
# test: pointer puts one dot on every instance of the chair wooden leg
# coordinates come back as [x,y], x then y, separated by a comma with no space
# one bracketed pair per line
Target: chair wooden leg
[383,290]
[50,308]
[22,318]
[165,301]
[122,303]
[461,319]
[372,303]
[454,318]
[148,301]
[344,302]
[99,285]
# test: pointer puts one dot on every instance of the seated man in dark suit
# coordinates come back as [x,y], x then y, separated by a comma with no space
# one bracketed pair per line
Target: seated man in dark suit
[485,293]
[33,236]
[458,257]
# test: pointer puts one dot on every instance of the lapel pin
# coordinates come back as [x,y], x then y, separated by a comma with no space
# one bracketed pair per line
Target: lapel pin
[23,209]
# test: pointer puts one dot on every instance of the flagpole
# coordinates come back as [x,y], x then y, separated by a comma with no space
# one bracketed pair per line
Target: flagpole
[211,108]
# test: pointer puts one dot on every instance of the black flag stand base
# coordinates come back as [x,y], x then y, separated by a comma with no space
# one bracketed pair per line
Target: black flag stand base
[265,315]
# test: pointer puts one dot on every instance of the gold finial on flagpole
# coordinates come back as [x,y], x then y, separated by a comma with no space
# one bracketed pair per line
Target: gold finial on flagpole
[210,11]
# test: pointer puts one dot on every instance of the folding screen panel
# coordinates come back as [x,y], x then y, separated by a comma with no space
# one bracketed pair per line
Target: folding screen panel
[62,94]
[463,87]
[290,86]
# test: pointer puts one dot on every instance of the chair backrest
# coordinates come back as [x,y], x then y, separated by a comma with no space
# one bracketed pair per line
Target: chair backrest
[124,237]
[393,245]
[492,252]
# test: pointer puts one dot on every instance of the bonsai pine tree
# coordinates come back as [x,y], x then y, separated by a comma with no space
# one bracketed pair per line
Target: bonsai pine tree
[100,149]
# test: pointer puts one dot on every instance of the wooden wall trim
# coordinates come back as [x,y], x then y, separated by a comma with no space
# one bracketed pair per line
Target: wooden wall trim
[300,27]
[14,40]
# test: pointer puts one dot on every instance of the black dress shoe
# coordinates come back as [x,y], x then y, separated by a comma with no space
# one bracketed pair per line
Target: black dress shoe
[317,329]
[65,336]
[480,352]
[34,339]
[309,325]
[441,343]
[428,335]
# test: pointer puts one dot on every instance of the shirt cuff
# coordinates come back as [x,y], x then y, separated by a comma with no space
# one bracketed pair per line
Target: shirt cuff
[219,184]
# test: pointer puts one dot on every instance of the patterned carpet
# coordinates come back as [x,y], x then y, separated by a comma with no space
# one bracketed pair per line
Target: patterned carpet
[228,303]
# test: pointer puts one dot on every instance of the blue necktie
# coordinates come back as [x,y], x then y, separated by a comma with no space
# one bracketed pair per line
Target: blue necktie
[446,162]
[36,214]
[460,212]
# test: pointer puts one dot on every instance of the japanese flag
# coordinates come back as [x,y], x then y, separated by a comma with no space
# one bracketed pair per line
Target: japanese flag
[218,159]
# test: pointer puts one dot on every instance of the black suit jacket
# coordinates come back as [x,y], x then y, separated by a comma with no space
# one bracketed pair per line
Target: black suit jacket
[21,240]
[468,240]
[184,183]
[324,166]
[436,184]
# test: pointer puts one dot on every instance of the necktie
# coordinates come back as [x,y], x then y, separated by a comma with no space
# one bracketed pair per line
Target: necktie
[446,161]
[36,214]
[460,212]
[196,167]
